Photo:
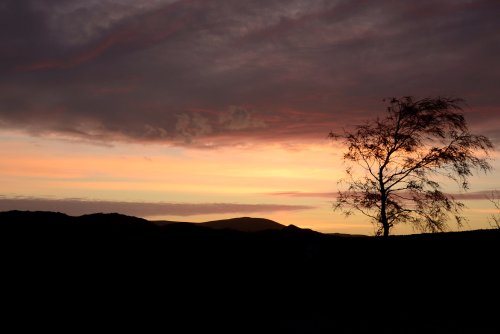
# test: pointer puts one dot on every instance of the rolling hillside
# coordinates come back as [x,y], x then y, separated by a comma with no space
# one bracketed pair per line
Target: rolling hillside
[127,272]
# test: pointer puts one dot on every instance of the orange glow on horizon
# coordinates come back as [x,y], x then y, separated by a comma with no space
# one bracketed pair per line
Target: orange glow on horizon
[132,172]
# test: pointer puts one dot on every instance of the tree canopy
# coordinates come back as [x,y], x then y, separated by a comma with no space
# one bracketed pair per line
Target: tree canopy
[401,159]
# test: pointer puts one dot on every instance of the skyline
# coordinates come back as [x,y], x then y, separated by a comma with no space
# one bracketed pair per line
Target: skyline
[221,109]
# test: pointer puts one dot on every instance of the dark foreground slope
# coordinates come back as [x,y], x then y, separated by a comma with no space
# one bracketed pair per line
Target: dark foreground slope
[112,272]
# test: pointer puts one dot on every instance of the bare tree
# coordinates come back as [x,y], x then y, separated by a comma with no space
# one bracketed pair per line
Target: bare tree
[494,219]
[401,159]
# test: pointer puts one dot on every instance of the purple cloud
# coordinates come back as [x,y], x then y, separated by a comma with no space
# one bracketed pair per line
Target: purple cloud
[221,72]
[140,209]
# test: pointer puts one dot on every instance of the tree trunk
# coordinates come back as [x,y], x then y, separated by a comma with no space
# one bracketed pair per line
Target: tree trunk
[383,199]
[383,218]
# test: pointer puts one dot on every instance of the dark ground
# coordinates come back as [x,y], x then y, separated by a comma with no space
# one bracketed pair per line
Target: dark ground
[112,273]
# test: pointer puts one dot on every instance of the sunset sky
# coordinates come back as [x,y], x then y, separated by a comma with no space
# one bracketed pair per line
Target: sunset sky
[196,110]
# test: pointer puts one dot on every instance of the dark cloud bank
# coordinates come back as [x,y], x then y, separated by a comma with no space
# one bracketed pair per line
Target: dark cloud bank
[76,206]
[224,72]
[141,209]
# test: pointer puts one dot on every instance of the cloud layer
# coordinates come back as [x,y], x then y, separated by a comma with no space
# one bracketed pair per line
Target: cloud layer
[79,207]
[474,195]
[208,73]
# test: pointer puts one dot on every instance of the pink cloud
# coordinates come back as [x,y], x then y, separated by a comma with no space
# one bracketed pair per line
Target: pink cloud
[476,195]
[303,194]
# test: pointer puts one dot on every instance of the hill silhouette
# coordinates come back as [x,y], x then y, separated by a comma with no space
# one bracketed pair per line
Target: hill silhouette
[244,224]
[122,272]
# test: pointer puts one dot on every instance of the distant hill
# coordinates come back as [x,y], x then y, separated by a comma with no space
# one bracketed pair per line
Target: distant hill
[57,223]
[243,224]
[109,222]
[48,216]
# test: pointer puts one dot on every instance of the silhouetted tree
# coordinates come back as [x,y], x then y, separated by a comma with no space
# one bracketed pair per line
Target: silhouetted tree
[494,219]
[401,158]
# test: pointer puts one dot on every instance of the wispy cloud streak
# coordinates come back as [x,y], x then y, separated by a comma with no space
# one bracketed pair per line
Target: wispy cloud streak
[303,194]
[475,195]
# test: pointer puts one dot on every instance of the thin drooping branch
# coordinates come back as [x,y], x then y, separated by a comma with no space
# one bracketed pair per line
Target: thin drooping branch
[494,218]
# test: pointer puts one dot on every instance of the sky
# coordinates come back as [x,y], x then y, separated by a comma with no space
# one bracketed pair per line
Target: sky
[197,110]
